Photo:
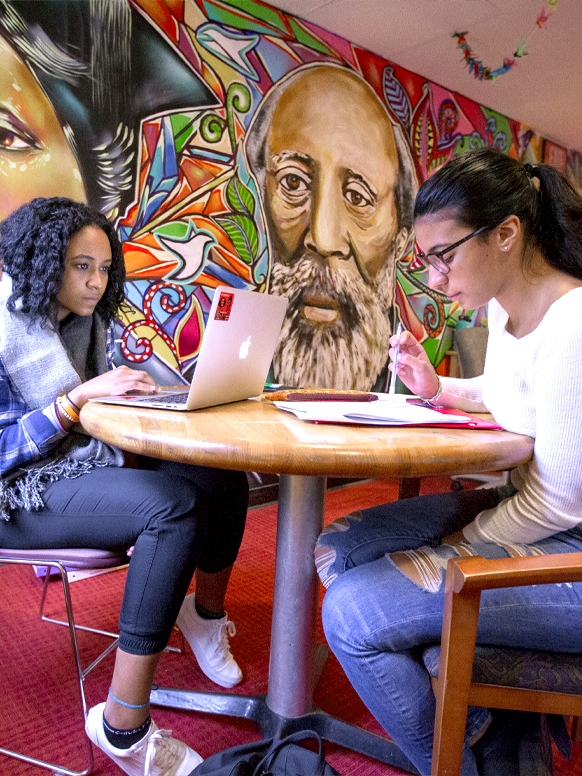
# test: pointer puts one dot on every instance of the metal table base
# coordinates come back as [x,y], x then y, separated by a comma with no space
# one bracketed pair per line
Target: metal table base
[295,662]
[272,725]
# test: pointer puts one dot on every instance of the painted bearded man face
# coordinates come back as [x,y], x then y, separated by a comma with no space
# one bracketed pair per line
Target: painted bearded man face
[336,329]
[330,171]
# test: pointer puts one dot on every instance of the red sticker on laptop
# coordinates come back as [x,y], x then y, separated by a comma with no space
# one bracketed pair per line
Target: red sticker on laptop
[224,306]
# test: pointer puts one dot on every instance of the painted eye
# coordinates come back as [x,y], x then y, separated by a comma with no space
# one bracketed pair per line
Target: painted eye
[293,183]
[358,196]
[13,139]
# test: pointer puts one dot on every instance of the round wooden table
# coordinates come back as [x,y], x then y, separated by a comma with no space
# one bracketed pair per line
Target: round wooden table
[257,436]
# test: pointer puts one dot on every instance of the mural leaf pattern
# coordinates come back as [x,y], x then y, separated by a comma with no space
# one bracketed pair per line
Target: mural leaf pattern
[243,233]
[397,98]
[239,197]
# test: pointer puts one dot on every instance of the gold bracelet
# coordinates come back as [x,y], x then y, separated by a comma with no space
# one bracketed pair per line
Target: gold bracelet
[72,403]
[69,407]
[63,410]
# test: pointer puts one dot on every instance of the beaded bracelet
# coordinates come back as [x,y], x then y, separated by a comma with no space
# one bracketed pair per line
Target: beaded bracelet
[432,402]
[60,416]
[62,411]
[74,418]
[69,407]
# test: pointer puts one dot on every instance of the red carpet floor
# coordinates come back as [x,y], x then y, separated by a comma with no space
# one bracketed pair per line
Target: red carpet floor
[37,693]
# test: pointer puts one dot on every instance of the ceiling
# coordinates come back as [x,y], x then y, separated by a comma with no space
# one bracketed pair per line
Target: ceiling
[543,90]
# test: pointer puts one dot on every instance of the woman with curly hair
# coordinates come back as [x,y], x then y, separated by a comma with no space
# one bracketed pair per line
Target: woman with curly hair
[62,285]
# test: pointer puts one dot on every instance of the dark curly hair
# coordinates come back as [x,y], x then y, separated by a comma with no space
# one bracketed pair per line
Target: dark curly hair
[33,244]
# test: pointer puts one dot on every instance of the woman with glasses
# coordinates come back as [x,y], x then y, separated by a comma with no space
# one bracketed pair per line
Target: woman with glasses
[491,231]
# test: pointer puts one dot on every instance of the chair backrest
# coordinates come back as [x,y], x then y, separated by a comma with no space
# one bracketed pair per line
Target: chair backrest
[471,343]
[456,688]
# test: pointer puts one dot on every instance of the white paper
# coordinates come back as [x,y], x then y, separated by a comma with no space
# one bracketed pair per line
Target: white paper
[389,410]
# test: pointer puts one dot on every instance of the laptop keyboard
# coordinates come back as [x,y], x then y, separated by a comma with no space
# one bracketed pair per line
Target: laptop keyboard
[176,398]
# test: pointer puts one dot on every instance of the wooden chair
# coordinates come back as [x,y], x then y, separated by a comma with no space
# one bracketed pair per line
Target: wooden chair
[463,668]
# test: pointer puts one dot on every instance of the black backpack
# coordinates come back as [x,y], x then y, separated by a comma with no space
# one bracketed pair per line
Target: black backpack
[269,757]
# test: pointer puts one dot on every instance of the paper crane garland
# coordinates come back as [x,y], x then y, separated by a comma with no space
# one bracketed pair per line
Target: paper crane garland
[484,73]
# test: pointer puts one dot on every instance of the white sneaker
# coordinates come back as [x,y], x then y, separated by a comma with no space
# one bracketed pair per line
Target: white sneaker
[209,642]
[157,754]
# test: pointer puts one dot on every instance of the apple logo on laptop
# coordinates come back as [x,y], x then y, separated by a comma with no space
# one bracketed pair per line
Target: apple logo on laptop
[244,348]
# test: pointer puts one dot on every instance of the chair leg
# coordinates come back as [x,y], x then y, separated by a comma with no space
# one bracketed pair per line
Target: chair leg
[44,617]
[460,616]
[88,629]
[60,769]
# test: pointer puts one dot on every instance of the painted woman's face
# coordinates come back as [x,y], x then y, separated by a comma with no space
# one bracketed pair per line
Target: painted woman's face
[35,157]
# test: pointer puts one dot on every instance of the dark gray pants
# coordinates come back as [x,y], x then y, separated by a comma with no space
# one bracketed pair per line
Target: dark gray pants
[179,518]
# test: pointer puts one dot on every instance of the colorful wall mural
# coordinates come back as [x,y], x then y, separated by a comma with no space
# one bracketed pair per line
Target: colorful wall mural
[233,144]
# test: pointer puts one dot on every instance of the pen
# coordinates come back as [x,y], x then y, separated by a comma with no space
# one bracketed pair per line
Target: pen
[392,388]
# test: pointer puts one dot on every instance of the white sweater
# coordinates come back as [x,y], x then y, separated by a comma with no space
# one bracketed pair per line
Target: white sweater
[533,386]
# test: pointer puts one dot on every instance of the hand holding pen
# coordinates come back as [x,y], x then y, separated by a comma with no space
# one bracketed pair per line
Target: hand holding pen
[411,364]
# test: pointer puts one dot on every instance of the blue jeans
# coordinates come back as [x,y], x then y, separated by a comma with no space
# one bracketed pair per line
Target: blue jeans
[377,620]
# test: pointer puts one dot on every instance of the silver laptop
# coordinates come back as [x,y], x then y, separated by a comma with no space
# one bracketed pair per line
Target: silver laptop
[235,355]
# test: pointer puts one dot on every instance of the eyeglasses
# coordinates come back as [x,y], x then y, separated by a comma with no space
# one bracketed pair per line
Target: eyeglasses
[437,259]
